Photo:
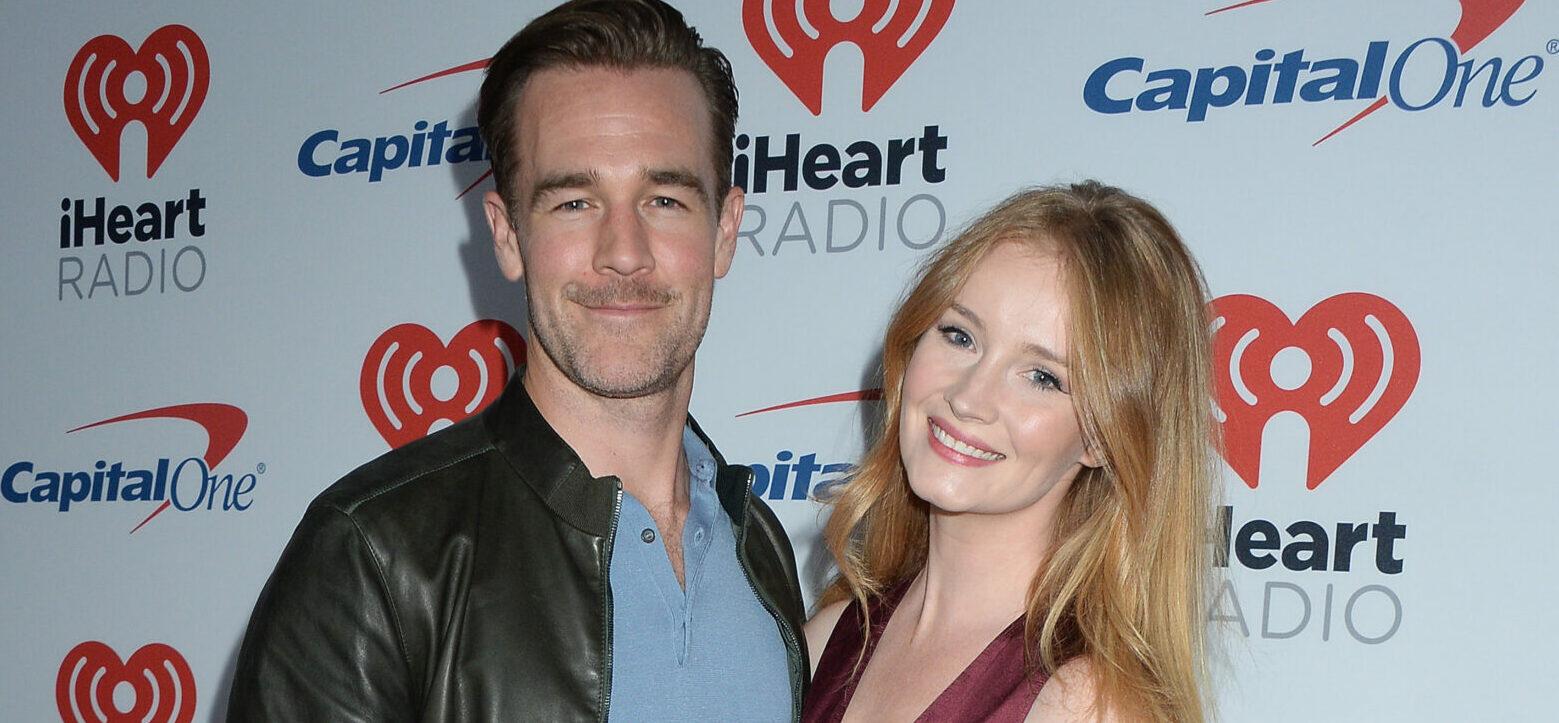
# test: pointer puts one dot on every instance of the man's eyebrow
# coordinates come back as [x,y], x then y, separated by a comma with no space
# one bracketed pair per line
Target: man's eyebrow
[1038,350]
[677,177]
[561,181]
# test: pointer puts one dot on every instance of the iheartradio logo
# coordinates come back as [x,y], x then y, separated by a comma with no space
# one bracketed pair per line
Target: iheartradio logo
[794,36]
[154,686]
[412,383]
[1363,360]
[162,85]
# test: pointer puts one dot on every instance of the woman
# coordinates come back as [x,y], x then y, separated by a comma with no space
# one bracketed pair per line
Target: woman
[1024,539]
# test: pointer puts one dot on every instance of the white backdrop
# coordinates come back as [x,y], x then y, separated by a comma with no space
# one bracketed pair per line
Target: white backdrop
[254,310]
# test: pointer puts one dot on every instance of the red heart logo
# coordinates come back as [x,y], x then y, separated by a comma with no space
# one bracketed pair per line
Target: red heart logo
[158,677]
[176,71]
[804,32]
[1364,360]
[397,379]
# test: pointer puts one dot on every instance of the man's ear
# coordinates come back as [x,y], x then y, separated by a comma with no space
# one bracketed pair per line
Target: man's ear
[730,222]
[506,241]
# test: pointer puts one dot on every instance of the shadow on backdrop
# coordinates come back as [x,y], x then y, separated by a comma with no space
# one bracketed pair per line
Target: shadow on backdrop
[818,569]
[492,296]
[225,684]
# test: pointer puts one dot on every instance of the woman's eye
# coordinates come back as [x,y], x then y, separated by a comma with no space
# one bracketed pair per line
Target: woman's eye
[955,336]
[1043,379]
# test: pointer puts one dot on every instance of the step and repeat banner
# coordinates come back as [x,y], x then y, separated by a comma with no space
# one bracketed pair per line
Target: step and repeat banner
[245,253]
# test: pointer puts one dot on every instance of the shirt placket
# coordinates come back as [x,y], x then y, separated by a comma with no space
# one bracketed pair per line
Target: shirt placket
[702,507]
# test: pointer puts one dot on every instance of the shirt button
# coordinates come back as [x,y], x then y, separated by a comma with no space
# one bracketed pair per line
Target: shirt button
[648,535]
[698,535]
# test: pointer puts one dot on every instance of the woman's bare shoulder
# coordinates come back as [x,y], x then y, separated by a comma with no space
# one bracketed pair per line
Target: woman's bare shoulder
[820,627]
[1069,696]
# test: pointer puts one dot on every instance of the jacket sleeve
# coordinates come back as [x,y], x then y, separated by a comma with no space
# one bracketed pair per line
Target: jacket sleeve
[324,641]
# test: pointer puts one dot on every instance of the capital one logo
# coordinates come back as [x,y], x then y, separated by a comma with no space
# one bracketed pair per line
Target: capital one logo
[794,36]
[154,686]
[188,484]
[1479,19]
[162,85]
[412,383]
[1363,359]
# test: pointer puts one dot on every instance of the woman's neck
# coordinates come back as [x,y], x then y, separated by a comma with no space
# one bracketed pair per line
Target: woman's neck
[979,568]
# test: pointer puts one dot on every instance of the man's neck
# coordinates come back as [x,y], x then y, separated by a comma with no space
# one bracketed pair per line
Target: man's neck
[638,440]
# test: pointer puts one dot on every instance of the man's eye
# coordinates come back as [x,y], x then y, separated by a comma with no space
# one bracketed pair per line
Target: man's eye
[665,202]
[574,205]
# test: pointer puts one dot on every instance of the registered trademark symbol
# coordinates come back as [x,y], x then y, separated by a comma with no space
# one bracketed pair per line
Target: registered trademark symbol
[260,468]
[1553,46]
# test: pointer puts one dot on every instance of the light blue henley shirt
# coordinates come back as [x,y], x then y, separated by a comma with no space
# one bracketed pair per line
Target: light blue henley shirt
[706,651]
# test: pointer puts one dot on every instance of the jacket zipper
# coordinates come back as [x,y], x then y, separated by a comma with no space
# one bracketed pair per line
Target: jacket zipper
[792,647]
[606,595]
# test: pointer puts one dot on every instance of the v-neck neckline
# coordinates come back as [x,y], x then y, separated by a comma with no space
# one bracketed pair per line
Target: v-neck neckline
[883,611]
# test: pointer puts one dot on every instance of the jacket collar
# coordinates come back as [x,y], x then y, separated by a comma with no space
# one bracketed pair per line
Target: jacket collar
[556,474]
[548,465]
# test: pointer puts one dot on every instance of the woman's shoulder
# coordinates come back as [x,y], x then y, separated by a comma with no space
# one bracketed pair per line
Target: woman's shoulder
[821,627]
[1070,696]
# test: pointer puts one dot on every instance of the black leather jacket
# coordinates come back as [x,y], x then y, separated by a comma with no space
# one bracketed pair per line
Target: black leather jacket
[464,577]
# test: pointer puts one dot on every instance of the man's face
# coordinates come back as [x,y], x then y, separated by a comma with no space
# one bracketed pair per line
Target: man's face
[615,227]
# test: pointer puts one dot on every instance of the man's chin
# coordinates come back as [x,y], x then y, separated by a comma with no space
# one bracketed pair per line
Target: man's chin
[624,386]
[625,378]
[635,363]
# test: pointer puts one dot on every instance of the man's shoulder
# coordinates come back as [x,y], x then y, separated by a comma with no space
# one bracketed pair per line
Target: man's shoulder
[760,515]
[757,519]
[765,529]
[431,468]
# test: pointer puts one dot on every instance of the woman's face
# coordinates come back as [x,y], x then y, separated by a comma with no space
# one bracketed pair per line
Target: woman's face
[987,423]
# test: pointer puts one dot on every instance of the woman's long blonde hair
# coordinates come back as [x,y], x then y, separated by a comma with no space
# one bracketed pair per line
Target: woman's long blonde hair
[1125,584]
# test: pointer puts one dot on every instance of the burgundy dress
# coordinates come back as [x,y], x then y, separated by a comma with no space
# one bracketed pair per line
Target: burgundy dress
[993,688]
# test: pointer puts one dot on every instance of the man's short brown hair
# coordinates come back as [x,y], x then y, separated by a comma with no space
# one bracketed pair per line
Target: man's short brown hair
[619,34]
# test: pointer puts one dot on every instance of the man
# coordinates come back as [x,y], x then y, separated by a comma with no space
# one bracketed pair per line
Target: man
[578,550]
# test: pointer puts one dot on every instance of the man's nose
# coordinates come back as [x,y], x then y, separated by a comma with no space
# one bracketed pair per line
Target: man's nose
[624,244]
